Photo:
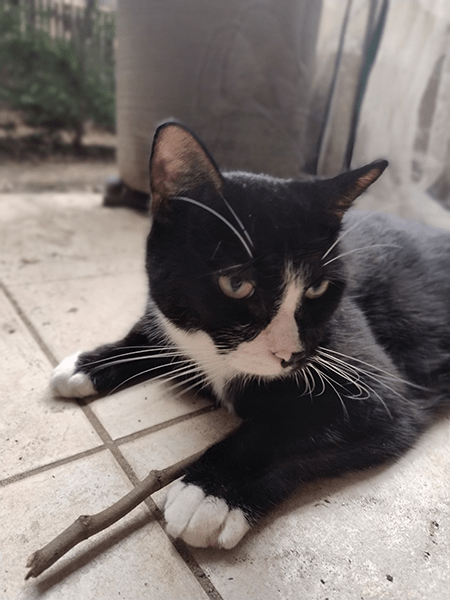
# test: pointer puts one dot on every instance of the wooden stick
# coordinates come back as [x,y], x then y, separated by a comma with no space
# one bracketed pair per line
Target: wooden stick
[87,525]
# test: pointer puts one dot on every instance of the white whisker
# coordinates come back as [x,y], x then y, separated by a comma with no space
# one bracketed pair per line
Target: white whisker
[308,378]
[174,382]
[387,374]
[142,354]
[359,250]
[330,382]
[239,222]
[319,374]
[182,383]
[186,370]
[344,233]
[346,376]
[219,216]
[305,376]
[120,361]
[367,388]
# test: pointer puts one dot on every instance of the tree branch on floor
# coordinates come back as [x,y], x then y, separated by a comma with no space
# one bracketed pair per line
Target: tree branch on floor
[86,526]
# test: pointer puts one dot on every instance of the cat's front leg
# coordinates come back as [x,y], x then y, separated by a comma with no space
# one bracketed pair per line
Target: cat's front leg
[239,480]
[111,366]
[222,494]
[99,371]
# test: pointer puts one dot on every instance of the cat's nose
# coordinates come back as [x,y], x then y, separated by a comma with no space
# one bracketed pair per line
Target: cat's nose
[296,360]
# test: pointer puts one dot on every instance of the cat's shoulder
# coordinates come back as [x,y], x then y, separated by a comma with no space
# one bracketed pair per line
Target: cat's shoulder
[393,235]
[380,223]
[384,247]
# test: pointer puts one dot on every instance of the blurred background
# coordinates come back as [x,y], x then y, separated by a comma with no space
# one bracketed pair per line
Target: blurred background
[284,87]
[57,94]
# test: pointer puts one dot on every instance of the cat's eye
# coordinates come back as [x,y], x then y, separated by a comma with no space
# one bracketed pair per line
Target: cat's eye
[236,287]
[315,291]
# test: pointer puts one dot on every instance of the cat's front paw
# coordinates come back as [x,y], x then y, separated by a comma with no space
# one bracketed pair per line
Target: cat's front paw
[202,520]
[68,382]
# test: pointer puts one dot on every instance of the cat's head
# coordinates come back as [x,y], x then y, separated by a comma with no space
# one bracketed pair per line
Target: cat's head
[244,268]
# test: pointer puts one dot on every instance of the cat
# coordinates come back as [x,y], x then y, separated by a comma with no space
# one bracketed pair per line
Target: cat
[326,332]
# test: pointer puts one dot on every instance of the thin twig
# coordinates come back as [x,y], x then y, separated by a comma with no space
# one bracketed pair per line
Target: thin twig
[87,525]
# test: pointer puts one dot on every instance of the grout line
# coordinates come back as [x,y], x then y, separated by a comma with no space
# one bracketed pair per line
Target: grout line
[196,570]
[29,325]
[109,442]
[130,437]
[111,445]
[125,271]
[52,465]
[185,554]
[105,446]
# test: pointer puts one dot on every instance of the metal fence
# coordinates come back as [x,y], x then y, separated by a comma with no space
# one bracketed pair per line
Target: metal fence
[89,27]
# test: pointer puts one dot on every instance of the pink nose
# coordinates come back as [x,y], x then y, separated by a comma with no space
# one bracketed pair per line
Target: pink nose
[282,336]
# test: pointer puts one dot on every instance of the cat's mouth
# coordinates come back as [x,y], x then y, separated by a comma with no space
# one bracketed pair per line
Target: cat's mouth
[297,361]
[266,363]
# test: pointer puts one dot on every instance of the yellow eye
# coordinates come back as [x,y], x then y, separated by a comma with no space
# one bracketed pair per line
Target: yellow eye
[315,291]
[236,287]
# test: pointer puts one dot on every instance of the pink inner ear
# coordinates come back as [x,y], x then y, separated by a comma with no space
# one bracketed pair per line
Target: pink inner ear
[358,186]
[179,163]
[366,180]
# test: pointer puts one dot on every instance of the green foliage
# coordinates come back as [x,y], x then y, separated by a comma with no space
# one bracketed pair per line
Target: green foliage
[56,83]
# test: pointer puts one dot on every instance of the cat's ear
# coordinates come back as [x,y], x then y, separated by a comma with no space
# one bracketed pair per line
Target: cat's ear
[179,163]
[348,186]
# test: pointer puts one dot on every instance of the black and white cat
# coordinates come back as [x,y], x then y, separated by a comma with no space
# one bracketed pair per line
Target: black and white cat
[326,332]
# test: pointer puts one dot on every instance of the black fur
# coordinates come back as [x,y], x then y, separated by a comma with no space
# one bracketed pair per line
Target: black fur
[386,314]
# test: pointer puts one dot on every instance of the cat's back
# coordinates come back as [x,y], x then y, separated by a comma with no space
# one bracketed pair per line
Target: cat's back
[383,246]
[366,223]
[399,277]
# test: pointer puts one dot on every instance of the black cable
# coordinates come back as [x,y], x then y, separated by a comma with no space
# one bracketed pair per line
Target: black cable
[371,45]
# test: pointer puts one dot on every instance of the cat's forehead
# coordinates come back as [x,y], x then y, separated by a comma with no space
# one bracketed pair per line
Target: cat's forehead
[280,213]
[251,219]
[281,199]
[260,185]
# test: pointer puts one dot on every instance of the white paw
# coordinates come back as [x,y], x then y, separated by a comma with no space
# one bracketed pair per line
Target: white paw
[67,383]
[201,520]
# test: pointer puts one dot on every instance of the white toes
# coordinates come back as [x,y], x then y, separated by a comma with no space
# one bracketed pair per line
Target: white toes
[236,526]
[182,501]
[203,521]
[204,527]
[66,382]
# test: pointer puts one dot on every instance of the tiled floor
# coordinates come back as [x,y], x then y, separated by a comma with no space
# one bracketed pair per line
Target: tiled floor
[71,275]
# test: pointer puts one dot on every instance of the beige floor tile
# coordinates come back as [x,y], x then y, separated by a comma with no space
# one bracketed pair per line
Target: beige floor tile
[48,237]
[145,405]
[82,313]
[171,444]
[35,429]
[75,267]
[133,559]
